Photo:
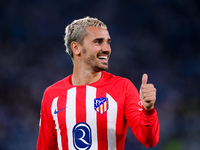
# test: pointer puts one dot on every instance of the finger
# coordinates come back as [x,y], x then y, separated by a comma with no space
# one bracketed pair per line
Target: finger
[147,90]
[144,79]
[147,86]
[151,98]
[149,94]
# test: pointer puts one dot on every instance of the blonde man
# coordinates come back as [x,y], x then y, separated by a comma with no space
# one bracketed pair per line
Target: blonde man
[91,109]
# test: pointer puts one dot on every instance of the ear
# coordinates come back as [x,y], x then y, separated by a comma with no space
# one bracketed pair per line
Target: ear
[75,46]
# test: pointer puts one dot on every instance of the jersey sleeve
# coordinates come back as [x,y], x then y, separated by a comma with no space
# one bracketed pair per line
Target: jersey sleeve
[143,123]
[47,133]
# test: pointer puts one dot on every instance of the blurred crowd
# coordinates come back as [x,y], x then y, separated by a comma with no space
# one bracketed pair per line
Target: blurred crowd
[157,37]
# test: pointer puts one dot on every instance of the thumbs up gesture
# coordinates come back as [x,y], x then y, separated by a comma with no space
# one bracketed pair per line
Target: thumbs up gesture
[147,93]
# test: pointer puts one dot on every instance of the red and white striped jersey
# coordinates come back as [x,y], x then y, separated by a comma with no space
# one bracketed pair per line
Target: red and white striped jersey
[94,116]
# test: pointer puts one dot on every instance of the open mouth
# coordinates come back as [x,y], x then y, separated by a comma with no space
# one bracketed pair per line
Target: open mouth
[103,57]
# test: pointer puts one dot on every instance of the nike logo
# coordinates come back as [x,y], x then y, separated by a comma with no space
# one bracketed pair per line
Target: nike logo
[55,112]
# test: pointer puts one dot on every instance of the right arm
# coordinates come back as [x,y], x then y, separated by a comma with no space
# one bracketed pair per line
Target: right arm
[47,139]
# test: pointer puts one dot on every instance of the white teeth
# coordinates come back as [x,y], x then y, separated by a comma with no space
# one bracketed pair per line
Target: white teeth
[103,57]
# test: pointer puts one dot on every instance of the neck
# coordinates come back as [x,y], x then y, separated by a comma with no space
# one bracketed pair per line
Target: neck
[82,77]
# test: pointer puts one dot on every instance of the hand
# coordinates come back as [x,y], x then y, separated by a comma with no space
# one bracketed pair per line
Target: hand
[147,93]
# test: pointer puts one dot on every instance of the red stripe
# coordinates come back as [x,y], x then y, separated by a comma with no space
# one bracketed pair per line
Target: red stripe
[103,105]
[81,104]
[62,118]
[102,125]
[106,105]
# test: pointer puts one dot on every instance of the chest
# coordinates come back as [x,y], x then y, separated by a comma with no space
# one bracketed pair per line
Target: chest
[90,105]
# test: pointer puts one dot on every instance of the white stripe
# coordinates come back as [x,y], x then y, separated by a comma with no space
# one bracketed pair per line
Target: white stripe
[111,122]
[101,108]
[53,108]
[105,104]
[91,115]
[71,115]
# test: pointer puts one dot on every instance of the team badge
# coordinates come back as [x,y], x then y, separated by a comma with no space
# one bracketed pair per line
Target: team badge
[101,104]
[82,136]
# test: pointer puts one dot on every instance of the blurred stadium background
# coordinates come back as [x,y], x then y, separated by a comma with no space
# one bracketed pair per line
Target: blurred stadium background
[157,37]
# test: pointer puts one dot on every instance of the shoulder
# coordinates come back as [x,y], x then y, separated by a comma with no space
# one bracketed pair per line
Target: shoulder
[116,81]
[59,85]
[55,90]
[119,85]
[111,77]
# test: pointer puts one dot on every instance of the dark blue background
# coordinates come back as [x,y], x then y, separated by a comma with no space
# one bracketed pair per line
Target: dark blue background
[157,37]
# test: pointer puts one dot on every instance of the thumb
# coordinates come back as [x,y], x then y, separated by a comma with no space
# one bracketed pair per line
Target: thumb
[144,78]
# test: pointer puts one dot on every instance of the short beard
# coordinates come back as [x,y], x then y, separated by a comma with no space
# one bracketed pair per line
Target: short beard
[95,67]
[98,69]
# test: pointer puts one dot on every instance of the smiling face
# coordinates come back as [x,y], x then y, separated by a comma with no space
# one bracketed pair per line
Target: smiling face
[95,49]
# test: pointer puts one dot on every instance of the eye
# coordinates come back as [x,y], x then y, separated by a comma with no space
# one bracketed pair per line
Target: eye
[109,42]
[101,40]
[97,42]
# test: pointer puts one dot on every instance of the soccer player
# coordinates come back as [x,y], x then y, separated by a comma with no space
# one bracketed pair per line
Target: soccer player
[91,109]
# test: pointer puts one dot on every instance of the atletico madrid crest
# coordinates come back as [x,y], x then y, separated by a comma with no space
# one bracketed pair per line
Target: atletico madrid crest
[101,104]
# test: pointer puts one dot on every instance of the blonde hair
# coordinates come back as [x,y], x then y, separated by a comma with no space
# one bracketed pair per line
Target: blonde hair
[76,31]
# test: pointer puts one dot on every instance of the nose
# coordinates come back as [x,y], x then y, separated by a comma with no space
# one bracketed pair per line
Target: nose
[106,47]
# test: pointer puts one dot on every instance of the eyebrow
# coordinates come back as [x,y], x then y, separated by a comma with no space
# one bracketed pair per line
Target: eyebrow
[101,39]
